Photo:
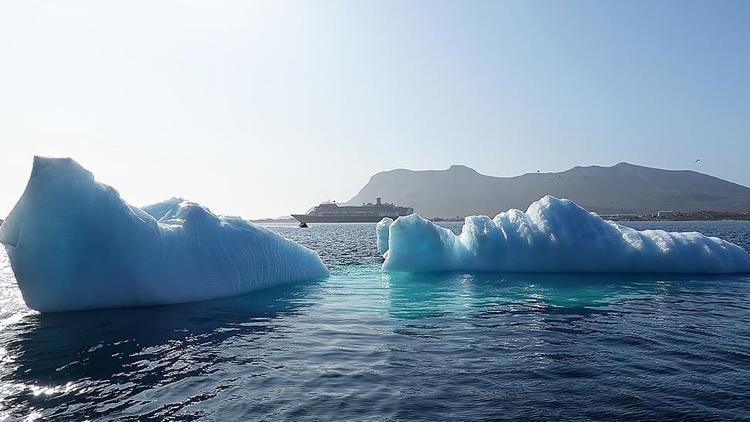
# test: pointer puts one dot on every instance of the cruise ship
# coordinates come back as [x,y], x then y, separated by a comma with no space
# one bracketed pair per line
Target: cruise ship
[365,213]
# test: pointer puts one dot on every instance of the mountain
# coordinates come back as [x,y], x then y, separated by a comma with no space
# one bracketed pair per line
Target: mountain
[623,188]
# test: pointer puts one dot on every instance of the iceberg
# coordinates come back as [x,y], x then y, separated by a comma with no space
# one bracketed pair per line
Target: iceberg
[382,234]
[553,235]
[74,244]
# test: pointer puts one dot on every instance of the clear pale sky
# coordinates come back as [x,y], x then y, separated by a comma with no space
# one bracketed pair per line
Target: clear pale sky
[261,109]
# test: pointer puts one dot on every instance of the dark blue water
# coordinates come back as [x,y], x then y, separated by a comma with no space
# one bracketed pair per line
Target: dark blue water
[364,345]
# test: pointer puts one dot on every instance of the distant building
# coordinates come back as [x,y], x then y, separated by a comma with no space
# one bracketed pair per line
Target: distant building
[661,214]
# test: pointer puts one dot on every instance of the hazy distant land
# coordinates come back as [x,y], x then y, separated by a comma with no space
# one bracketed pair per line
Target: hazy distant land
[623,191]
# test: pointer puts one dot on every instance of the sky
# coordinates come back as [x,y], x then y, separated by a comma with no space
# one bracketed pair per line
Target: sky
[261,109]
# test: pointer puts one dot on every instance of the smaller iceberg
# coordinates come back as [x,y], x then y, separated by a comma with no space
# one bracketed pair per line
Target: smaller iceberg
[74,244]
[382,233]
[553,235]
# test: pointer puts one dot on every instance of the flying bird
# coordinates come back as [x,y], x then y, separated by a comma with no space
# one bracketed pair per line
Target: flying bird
[697,161]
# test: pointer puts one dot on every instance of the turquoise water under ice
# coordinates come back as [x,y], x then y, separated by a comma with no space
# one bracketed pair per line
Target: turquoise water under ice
[367,345]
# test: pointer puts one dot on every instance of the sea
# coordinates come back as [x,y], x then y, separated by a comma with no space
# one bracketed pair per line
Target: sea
[369,345]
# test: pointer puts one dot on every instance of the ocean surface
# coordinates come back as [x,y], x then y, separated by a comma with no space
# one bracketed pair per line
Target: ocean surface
[364,345]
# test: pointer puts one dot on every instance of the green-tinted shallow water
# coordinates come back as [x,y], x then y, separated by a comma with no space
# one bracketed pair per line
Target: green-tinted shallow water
[369,345]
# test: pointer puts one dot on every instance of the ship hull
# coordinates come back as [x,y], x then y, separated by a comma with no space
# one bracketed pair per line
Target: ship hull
[304,218]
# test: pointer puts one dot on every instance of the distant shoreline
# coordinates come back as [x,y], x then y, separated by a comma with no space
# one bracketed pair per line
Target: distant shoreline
[675,216]
[671,216]
[682,216]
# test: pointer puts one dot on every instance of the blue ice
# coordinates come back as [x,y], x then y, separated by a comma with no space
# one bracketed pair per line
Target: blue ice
[553,235]
[75,244]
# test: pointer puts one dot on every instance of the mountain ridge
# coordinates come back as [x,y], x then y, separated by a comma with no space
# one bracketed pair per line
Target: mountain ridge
[622,188]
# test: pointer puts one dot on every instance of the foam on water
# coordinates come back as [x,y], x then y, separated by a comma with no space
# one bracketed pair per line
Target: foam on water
[554,235]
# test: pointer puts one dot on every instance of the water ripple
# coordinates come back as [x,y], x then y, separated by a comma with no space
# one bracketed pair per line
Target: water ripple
[371,346]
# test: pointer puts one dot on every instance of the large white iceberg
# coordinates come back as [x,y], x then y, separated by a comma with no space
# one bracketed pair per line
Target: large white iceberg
[554,235]
[74,244]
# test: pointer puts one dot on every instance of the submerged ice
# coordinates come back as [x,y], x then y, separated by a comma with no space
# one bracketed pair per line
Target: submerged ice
[553,235]
[74,244]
